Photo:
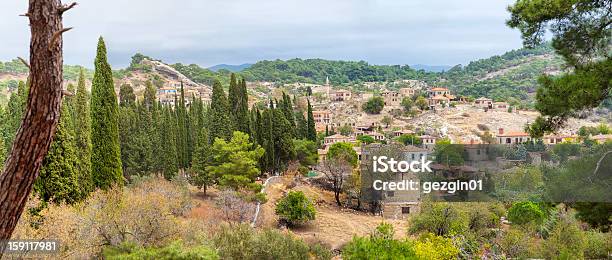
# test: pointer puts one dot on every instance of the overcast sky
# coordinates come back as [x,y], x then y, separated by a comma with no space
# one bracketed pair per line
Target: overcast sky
[209,32]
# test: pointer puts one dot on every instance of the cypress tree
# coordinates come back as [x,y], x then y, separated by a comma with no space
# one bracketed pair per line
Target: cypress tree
[288,112]
[168,131]
[106,154]
[149,95]
[183,140]
[82,130]
[14,113]
[312,132]
[242,109]
[58,180]
[302,126]
[199,176]
[126,95]
[220,122]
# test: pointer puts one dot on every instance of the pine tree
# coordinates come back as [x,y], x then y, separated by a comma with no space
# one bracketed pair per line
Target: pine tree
[312,132]
[106,154]
[220,122]
[58,179]
[82,138]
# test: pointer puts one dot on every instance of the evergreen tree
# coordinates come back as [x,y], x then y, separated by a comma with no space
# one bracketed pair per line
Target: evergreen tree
[126,95]
[277,140]
[183,140]
[242,110]
[14,113]
[58,179]
[82,138]
[220,122]
[302,126]
[106,154]
[168,135]
[200,177]
[288,112]
[312,132]
[149,95]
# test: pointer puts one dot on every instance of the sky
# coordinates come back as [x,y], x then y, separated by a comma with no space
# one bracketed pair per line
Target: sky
[210,32]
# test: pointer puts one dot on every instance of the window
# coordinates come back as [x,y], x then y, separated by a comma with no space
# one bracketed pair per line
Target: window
[390,193]
[508,140]
[405,210]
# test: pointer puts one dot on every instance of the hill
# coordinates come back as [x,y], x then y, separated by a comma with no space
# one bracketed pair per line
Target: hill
[232,68]
[512,75]
[431,68]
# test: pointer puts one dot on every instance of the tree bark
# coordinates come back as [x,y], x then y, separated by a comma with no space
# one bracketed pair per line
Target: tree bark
[42,112]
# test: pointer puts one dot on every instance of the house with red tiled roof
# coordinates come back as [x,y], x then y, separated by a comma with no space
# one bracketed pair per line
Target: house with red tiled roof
[512,137]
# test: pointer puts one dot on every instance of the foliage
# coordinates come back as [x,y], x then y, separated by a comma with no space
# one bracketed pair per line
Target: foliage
[311,131]
[598,244]
[82,138]
[306,152]
[421,103]
[566,240]
[174,251]
[366,139]
[447,153]
[245,242]
[343,151]
[295,208]
[581,34]
[146,213]
[441,219]
[409,139]
[58,181]
[430,246]
[379,245]
[525,212]
[374,105]
[235,163]
[407,104]
[106,156]
[220,122]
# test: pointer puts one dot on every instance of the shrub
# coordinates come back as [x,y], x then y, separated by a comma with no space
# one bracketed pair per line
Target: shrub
[295,208]
[379,246]
[173,251]
[597,245]
[374,105]
[515,243]
[243,242]
[522,213]
[438,218]
[566,240]
[430,246]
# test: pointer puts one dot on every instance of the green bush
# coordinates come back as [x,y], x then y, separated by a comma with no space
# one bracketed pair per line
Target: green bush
[598,245]
[525,212]
[295,208]
[173,251]
[244,242]
[379,245]
[374,105]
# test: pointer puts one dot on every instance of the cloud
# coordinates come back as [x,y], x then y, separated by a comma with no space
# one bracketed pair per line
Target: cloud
[239,31]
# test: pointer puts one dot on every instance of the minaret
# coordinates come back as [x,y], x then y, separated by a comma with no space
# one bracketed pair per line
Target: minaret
[327,85]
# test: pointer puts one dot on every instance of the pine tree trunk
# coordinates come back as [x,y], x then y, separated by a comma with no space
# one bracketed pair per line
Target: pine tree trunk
[42,112]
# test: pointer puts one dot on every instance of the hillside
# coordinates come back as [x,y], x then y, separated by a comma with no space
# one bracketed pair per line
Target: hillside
[512,75]
[232,68]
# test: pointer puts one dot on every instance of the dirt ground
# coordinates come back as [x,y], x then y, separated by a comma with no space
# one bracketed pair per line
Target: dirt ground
[333,226]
